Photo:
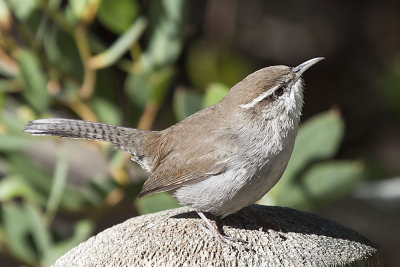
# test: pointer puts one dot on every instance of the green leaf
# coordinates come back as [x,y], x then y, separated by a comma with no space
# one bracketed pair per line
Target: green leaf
[118,15]
[102,183]
[82,230]
[389,83]
[159,82]
[214,94]
[120,46]
[13,123]
[33,80]
[22,9]
[62,51]
[93,196]
[72,199]
[233,67]
[32,175]
[165,43]
[13,186]
[39,230]
[186,103]
[322,183]
[100,186]
[156,202]
[331,180]
[201,64]
[137,89]
[292,196]
[14,143]
[78,6]
[106,111]
[207,63]
[17,228]
[58,185]
[145,87]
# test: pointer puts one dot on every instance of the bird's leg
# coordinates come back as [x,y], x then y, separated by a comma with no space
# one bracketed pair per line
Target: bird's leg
[213,231]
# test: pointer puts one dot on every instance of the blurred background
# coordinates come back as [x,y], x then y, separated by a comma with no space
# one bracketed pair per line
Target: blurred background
[149,64]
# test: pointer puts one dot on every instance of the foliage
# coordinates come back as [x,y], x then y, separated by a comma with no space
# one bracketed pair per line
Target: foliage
[54,60]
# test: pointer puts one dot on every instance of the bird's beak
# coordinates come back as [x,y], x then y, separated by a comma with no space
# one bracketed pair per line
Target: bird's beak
[300,69]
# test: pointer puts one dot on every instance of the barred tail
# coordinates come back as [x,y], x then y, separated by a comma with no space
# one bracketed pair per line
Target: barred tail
[123,138]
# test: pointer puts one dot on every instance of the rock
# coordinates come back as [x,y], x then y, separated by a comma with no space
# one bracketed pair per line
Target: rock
[275,236]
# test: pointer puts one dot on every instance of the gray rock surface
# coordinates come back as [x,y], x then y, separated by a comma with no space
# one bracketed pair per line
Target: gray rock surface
[276,236]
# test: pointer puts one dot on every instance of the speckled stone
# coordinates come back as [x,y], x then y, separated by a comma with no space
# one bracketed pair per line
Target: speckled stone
[276,236]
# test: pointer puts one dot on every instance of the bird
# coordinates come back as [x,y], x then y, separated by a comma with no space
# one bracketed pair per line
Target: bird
[220,159]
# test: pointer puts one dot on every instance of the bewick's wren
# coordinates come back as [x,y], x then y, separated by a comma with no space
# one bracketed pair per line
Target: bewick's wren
[221,158]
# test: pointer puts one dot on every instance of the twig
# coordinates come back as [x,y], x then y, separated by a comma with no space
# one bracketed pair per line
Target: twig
[82,110]
[148,116]
[89,79]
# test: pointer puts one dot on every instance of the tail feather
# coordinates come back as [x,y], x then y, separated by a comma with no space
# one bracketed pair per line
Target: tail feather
[121,137]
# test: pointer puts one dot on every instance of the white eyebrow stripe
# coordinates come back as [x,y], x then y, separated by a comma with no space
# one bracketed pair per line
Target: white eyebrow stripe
[259,98]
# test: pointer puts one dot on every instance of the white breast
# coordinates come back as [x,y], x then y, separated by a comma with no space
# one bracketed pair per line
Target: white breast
[248,179]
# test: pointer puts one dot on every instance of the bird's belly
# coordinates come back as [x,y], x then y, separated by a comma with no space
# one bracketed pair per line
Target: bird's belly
[234,189]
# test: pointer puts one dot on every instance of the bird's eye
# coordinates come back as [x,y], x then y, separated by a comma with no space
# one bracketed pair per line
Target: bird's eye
[278,92]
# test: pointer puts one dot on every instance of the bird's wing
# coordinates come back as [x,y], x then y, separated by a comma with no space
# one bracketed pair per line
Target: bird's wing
[186,164]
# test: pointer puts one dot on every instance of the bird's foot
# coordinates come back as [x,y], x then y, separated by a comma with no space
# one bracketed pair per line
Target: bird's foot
[222,239]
